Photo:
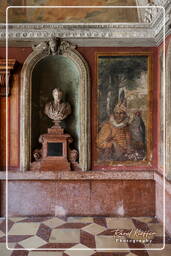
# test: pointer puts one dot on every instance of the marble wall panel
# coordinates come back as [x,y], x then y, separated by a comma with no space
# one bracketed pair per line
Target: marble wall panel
[161,196]
[2,133]
[81,198]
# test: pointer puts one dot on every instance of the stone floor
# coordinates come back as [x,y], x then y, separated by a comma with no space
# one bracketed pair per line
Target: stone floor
[92,235]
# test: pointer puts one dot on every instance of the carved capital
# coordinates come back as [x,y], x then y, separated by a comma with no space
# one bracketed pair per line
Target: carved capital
[6,73]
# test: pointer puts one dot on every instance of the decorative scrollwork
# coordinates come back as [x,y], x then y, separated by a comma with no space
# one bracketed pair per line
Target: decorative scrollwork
[73,155]
[55,46]
[43,46]
[37,154]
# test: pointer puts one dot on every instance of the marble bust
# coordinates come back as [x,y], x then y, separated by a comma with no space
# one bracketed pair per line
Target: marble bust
[56,109]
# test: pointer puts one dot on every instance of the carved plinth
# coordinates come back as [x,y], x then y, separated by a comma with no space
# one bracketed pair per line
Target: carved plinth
[55,130]
[54,153]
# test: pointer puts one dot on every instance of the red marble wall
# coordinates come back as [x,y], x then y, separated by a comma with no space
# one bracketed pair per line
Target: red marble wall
[80,198]
[168,209]
[2,133]
[159,197]
[20,54]
[13,126]
[163,201]
[163,197]
[110,197]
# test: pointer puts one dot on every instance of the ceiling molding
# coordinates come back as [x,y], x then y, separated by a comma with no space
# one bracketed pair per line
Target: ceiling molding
[91,34]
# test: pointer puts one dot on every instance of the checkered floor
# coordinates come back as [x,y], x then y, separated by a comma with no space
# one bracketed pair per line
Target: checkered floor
[88,233]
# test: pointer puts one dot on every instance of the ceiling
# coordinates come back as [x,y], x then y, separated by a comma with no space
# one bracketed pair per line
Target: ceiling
[69,15]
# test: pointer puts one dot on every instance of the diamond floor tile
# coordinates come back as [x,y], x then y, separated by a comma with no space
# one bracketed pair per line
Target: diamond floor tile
[45,253]
[24,229]
[17,219]
[93,233]
[84,251]
[4,251]
[131,254]
[53,222]
[157,228]
[65,236]
[165,252]
[32,242]
[120,223]
[144,219]
[108,242]
[94,229]
[80,219]
[2,234]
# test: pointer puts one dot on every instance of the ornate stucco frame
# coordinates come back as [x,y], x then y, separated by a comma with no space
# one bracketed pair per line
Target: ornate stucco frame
[25,106]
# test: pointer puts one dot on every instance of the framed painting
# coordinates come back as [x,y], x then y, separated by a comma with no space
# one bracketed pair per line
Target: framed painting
[123,125]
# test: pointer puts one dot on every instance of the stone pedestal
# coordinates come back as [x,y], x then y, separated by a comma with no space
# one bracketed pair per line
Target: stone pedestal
[55,151]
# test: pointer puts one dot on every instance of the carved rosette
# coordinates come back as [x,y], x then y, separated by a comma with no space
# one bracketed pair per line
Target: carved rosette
[6,72]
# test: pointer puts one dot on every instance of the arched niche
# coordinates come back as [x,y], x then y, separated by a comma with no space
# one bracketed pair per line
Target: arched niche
[37,56]
[53,72]
[168,111]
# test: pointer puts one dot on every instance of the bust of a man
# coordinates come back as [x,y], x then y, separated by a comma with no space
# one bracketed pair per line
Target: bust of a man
[56,109]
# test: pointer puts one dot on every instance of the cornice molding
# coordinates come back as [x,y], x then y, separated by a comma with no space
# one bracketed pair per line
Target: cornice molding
[104,34]
[39,32]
